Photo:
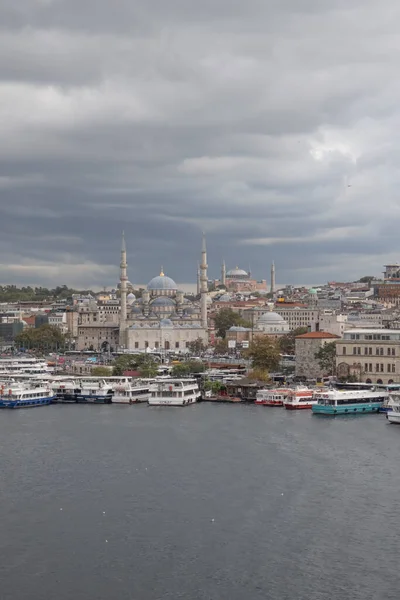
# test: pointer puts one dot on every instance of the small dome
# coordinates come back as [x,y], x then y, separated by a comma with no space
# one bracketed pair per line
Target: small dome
[236,272]
[224,298]
[312,291]
[131,298]
[163,301]
[166,323]
[271,317]
[162,282]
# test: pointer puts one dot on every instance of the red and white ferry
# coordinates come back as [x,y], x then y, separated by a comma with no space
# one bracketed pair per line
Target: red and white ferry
[272,397]
[300,397]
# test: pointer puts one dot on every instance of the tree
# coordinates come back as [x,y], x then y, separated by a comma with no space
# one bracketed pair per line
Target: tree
[101,371]
[44,338]
[221,346]
[259,375]
[197,346]
[213,386]
[326,358]
[125,362]
[226,318]
[186,368]
[264,353]
[287,342]
[144,363]
[148,369]
[366,279]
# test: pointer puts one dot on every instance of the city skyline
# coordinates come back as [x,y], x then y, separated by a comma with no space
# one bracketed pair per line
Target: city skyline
[271,128]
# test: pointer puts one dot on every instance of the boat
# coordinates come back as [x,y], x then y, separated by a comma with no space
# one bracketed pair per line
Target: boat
[271,397]
[393,415]
[341,402]
[299,398]
[66,391]
[102,393]
[174,392]
[129,393]
[24,396]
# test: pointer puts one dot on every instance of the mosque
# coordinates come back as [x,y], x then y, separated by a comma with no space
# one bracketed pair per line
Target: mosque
[240,281]
[162,318]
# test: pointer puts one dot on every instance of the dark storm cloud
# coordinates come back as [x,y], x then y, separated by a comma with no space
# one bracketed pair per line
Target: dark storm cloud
[271,125]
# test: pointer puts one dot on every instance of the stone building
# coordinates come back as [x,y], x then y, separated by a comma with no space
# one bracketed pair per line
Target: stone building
[269,323]
[238,280]
[306,346]
[371,355]
[161,319]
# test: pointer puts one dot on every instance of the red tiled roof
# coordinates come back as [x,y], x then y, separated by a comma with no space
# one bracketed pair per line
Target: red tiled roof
[317,335]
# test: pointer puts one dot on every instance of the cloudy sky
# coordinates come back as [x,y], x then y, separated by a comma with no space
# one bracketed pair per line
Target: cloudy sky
[271,124]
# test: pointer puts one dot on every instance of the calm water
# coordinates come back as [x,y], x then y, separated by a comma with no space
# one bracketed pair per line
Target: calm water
[206,502]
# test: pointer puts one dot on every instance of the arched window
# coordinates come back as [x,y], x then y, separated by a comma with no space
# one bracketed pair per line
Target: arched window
[166,345]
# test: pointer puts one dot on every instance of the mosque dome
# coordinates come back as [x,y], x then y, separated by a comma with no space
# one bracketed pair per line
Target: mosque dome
[166,323]
[162,282]
[130,298]
[224,298]
[162,301]
[272,323]
[312,291]
[236,272]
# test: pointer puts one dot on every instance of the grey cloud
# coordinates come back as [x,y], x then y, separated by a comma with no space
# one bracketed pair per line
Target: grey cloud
[249,120]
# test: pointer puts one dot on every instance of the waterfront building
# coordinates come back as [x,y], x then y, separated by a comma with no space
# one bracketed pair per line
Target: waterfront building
[306,346]
[269,324]
[372,355]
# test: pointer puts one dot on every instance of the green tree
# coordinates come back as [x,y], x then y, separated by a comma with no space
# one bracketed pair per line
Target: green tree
[101,371]
[264,353]
[287,342]
[326,358]
[226,318]
[197,346]
[125,362]
[188,367]
[148,369]
[214,386]
[45,338]
[259,375]
[366,279]
[221,346]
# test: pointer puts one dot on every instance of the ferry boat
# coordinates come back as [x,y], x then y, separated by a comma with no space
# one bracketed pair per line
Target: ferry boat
[174,392]
[299,398]
[341,402]
[95,394]
[65,391]
[131,394]
[20,396]
[271,397]
[393,415]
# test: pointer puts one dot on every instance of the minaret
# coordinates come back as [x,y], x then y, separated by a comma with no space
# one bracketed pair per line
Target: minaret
[273,278]
[203,283]
[223,273]
[198,280]
[123,290]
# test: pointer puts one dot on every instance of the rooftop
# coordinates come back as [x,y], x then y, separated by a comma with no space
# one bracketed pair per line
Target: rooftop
[319,335]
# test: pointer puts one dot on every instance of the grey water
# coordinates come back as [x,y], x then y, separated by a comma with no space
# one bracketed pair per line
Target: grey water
[213,502]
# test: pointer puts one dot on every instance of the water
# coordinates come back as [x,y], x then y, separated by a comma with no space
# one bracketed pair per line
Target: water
[208,502]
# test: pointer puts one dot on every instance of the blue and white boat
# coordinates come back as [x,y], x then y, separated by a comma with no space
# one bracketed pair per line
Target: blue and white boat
[100,393]
[20,396]
[348,402]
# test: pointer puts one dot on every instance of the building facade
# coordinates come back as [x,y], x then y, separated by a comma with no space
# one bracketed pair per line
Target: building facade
[371,355]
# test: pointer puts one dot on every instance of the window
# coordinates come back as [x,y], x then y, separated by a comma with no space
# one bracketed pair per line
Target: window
[393,351]
[389,368]
[176,344]
[377,351]
[354,350]
[146,344]
[136,344]
[382,349]
[370,351]
[382,368]
[358,350]
[393,368]
[365,350]
[344,350]
[377,368]
[157,345]
[366,367]
[388,351]
[370,367]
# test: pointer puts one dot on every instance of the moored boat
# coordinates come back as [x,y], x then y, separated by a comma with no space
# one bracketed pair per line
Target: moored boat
[299,398]
[174,392]
[393,415]
[342,402]
[20,396]
[102,393]
[131,394]
[274,397]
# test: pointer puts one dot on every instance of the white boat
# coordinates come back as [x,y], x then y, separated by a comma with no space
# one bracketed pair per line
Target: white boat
[100,393]
[129,393]
[272,397]
[174,392]
[393,415]
[25,396]
[299,398]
